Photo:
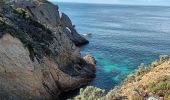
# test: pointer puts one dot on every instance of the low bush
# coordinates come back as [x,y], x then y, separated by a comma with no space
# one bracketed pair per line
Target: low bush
[23,12]
[90,93]
[161,88]
[4,21]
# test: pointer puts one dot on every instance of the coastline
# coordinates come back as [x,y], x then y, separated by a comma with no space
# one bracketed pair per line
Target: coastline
[146,82]
[41,57]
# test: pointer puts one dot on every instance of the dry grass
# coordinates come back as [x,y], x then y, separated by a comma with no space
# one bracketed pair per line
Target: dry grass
[150,76]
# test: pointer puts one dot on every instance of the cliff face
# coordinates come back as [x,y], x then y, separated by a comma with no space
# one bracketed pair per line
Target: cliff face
[39,58]
[49,15]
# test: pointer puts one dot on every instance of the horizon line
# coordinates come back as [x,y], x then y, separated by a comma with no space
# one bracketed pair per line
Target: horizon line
[111,4]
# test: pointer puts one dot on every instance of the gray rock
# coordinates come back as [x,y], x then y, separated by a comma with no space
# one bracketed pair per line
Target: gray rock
[38,61]
[49,15]
[152,98]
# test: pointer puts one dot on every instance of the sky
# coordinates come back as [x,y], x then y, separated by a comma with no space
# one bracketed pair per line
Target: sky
[131,2]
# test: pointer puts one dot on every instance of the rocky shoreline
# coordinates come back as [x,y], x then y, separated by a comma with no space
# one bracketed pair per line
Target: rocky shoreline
[39,53]
[150,82]
[40,59]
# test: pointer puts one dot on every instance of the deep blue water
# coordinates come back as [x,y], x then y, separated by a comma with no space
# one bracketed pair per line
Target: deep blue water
[123,37]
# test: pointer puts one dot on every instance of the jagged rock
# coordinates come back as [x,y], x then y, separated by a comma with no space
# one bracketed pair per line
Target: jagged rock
[90,59]
[75,37]
[49,15]
[38,62]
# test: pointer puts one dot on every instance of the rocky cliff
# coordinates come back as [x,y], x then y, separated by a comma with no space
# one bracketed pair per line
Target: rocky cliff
[50,16]
[39,57]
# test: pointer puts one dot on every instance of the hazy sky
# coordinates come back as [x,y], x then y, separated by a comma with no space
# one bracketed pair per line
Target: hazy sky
[133,2]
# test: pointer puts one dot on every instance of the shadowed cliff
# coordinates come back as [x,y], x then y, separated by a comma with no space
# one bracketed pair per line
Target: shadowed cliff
[39,57]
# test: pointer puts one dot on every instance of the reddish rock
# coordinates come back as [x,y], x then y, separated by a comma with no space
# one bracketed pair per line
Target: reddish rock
[90,59]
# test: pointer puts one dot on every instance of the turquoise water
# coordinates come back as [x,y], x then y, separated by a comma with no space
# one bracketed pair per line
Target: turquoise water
[123,37]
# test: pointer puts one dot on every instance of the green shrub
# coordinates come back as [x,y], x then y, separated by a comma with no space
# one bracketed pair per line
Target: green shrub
[113,94]
[23,12]
[168,98]
[4,21]
[165,78]
[156,87]
[90,93]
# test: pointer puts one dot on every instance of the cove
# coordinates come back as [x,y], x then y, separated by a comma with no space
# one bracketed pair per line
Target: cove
[122,38]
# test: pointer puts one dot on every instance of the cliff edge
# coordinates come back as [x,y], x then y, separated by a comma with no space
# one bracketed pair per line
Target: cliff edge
[146,83]
[39,57]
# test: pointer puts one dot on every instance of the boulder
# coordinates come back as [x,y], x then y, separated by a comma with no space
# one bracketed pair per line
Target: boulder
[90,59]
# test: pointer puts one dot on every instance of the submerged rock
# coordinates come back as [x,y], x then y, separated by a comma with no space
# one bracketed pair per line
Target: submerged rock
[38,59]
[87,34]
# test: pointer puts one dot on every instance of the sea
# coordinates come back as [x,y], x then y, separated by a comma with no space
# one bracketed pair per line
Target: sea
[122,37]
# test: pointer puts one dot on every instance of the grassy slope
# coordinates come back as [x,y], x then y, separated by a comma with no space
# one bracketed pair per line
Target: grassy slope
[150,81]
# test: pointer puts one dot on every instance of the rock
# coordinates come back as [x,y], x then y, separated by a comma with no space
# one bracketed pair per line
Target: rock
[48,14]
[73,34]
[87,34]
[38,59]
[152,98]
[90,59]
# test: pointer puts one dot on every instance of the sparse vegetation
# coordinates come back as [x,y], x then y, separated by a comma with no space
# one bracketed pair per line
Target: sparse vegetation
[135,87]
[142,69]
[90,93]
[156,87]
[161,88]
[4,21]
[23,12]
[36,45]
[114,94]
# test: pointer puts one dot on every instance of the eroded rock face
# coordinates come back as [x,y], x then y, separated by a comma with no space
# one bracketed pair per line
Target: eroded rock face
[36,61]
[49,15]
[19,76]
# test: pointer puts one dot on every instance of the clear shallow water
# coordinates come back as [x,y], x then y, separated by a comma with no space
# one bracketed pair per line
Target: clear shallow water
[123,37]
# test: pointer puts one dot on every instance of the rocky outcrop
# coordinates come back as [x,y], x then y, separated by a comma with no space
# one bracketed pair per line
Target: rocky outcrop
[90,59]
[49,15]
[38,57]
